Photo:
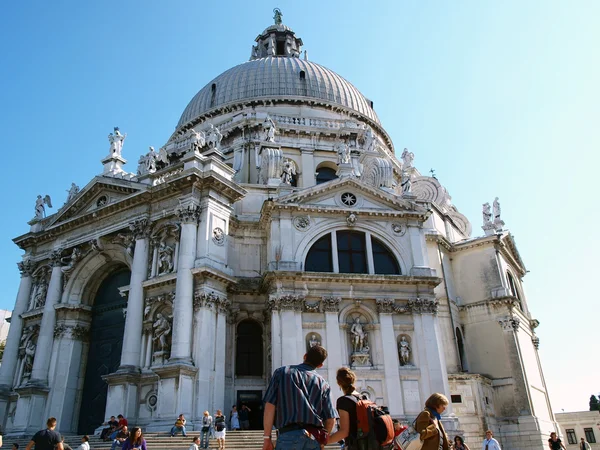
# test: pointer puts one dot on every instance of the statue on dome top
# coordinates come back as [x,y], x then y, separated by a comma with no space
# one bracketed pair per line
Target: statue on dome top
[116,142]
[277,16]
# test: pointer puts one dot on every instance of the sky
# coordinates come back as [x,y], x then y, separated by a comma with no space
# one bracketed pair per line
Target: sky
[500,98]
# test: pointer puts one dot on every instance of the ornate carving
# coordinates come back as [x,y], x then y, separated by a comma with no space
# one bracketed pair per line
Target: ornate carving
[26,267]
[71,261]
[75,332]
[423,306]
[218,236]
[223,305]
[27,347]
[125,240]
[154,302]
[352,219]
[312,307]
[286,302]
[348,199]
[140,228]
[343,152]
[165,258]
[378,172]
[56,259]
[41,280]
[536,342]
[72,192]
[189,213]
[385,305]
[161,333]
[205,299]
[269,162]
[213,137]
[269,129]
[331,304]
[301,223]
[313,340]
[288,171]
[399,229]
[509,323]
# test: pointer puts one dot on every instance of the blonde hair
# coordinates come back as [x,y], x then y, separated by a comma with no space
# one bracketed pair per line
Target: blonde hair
[436,400]
[206,413]
[345,379]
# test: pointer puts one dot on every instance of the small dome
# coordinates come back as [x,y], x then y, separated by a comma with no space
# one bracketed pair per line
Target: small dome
[277,78]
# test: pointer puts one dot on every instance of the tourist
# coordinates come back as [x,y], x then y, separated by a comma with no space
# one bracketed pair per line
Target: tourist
[489,443]
[179,426]
[346,406]
[15,446]
[85,443]
[303,416]
[195,443]
[135,441]
[234,421]
[120,438]
[398,429]
[47,439]
[429,423]
[244,417]
[584,445]
[122,422]
[459,443]
[112,426]
[65,445]
[220,429]
[206,426]
[555,443]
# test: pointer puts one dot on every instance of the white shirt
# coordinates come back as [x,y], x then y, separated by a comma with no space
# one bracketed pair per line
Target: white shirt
[194,446]
[492,444]
[84,446]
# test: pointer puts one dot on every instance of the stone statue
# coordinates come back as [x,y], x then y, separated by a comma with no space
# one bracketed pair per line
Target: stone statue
[269,129]
[277,17]
[496,209]
[71,261]
[116,142]
[162,330]
[254,52]
[165,258]
[487,214]
[213,137]
[369,140]
[343,152]
[29,355]
[289,171]
[39,298]
[198,139]
[72,192]
[351,219]
[406,182]
[407,159]
[151,158]
[314,341]
[40,211]
[358,336]
[404,350]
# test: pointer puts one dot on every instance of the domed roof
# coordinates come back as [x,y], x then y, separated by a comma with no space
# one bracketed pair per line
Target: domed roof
[277,78]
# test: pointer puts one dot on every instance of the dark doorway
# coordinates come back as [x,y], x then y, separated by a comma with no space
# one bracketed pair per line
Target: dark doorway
[253,400]
[104,357]
[249,349]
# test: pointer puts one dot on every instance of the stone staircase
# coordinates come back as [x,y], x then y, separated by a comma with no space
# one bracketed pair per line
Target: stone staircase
[235,440]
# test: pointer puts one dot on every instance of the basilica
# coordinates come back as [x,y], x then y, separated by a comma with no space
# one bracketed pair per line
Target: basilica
[276,217]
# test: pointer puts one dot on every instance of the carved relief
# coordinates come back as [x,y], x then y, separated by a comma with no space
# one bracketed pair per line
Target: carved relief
[509,323]
[27,348]
[205,300]
[39,290]
[218,236]
[188,213]
[399,229]
[312,306]
[331,304]
[289,171]
[165,242]
[385,305]
[140,228]
[423,306]
[26,267]
[378,172]
[301,223]
[312,340]
[286,302]
[75,332]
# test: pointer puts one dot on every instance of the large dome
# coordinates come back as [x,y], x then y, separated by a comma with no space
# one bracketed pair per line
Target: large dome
[277,78]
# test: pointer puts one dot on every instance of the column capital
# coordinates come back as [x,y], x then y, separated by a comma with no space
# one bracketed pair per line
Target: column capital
[56,257]
[74,332]
[331,303]
[26,267]
[140,228]
[423,305]
[205,300]
[223,305]
[286,302]
[189,213]
[385,305]
[509,323]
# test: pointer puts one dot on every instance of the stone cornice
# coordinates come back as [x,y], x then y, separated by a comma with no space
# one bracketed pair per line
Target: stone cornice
[352,278]
[509,302]
[215,274]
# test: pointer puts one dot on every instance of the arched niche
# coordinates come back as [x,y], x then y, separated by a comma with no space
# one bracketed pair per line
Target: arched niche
[405,350]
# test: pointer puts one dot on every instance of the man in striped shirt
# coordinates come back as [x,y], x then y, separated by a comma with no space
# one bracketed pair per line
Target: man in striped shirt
[298,402]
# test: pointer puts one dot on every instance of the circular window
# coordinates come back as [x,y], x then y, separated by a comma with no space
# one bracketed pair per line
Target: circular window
[102,201]
[348,199]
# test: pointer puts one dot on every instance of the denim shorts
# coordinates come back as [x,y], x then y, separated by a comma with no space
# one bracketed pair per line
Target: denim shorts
[296,440]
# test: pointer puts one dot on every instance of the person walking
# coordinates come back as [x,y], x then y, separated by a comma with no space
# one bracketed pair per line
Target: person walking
[584,445]
[205,432]
[85,443]
[220,429]
[555,443]
[298,402]
[195,443]
[179,426]
[47,439]
[459,443]
[135,441]
[245,417]
[489,443]
[234,419]
[429,423]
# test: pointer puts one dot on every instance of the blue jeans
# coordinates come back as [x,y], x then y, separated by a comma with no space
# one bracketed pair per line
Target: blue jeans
[177,429]
[204,439]
[296,440]
[116,444]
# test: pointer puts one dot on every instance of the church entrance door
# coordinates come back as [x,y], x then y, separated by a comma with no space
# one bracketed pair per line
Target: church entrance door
[253,400]
[104,357]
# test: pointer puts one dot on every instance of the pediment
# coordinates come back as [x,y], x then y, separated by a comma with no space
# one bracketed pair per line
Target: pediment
[99,193]
[339,194]
[510,250]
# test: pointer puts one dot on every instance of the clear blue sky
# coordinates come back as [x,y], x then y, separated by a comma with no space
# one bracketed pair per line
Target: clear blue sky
[500,98]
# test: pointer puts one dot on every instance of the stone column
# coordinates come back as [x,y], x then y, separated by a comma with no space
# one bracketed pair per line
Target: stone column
[288,306]
[132,338]
[11,351]
[204,349]
[41,361]
[390,357]
[428,343]
[331,307]
[223,305]
[183,306]
[275,338]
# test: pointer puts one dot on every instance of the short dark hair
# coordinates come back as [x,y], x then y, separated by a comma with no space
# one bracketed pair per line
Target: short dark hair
[120,416]
[86,438]
[15,445]
[51,422]
[316,355]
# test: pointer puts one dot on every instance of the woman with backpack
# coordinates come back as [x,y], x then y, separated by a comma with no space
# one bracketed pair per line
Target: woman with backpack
[429,423]
[346,407]
[220,429]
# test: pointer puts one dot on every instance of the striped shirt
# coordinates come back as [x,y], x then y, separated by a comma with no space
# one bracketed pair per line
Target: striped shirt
[300,395]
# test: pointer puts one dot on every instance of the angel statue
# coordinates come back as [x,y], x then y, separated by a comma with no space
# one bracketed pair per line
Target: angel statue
[162,330]
[72,192]
[116,142]
[289,171]
[40,211]
[407,159]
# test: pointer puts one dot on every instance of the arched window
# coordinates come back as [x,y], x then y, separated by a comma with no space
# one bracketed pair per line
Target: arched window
[513,288]
[302,75]
[319,256]
[213,94]
[325,174]
[352,255]
[249,349]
